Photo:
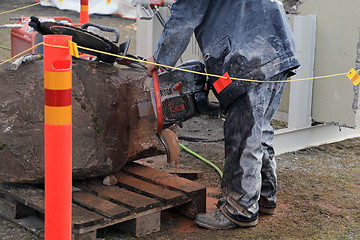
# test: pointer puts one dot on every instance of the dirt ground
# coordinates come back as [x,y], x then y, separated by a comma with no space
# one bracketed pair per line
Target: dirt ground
[319,187]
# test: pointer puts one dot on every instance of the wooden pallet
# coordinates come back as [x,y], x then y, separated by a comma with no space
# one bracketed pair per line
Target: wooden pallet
[134,205]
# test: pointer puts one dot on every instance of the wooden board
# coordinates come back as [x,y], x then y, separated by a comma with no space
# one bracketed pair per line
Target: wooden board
[99,205]
[83,218]
[148,189]
[29,195]
[121,196]
[158,177]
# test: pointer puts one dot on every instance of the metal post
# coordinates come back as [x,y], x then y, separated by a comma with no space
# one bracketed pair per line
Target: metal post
[300,102]
[84,11]
[58,137]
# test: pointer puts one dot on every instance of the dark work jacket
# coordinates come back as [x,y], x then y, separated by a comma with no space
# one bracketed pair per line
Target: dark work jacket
[249,39]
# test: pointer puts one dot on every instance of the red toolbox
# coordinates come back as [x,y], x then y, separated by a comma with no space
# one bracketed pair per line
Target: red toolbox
[26,37]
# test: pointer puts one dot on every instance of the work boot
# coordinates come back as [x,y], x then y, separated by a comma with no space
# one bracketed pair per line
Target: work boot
[215,220]
[220,202]
[245,220]
[266,207]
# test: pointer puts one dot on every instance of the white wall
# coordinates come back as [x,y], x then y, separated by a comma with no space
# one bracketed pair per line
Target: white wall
[336,49]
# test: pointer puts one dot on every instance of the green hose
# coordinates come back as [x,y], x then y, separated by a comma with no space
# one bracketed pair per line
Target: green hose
[203,159]
[4,47]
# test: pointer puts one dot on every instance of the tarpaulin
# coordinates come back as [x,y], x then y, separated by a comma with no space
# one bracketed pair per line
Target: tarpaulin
[122,8]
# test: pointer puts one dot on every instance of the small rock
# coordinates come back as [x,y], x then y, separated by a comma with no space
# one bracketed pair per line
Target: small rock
[110,180]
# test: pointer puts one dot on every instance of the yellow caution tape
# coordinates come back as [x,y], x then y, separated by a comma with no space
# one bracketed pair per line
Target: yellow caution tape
[18,55]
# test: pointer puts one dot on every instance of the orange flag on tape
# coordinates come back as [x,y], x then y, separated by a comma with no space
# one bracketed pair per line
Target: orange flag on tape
[354,77]
[222,82]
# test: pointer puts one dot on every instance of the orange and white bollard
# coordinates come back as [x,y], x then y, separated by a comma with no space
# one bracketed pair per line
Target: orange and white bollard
[58,137]
[84,11]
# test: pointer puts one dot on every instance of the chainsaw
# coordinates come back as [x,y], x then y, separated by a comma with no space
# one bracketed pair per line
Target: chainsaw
[177,96]
[183,93]
[146,9]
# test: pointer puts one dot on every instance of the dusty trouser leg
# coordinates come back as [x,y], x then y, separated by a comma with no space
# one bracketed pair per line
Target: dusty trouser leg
[243,129]
[268,170]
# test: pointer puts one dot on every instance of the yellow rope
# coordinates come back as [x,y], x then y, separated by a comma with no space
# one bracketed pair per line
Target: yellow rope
[180,69]
[20,8]
[125,3]
[17,55]
[50,45]
[211,75]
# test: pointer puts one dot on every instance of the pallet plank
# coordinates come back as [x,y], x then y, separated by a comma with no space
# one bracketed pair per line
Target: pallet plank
[32,224]
[122,196]
[190,188]
[149,189]
[26,194]
[83,218]
[135,201]
[100,205]
[14,209]
[7,209]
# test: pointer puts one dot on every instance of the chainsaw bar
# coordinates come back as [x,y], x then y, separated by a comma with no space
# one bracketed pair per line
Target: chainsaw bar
[80,36]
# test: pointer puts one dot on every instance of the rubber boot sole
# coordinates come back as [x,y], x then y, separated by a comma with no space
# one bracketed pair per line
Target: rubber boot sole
[204,225]
[240,223]
[267,211]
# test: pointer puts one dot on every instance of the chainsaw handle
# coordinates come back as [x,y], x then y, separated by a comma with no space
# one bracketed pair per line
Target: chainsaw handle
[145,12]
[159,114]
[62,18]
[144,8]
[103,28]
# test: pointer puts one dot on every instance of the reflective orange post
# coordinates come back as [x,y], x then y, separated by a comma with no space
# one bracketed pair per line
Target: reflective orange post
[58,137]
[84,11]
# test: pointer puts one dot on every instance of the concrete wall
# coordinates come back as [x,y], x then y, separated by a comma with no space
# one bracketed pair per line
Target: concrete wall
[336,52]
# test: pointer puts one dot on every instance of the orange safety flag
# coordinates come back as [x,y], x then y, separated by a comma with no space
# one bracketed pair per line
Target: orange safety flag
[222,82]
[73,49]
